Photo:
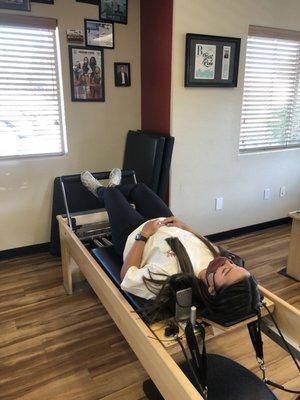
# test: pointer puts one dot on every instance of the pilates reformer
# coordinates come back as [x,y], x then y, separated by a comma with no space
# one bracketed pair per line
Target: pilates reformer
[87,252]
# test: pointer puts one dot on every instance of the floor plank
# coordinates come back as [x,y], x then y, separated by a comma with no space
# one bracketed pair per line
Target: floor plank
[59,347]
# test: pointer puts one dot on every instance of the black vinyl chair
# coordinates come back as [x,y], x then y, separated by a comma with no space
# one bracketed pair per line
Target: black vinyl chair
[226,380]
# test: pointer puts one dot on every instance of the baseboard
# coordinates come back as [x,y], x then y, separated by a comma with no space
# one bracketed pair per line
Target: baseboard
[247,229]
[23,251]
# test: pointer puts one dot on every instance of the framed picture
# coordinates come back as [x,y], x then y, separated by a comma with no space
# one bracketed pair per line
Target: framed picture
[87,74]
[99,33]
[75,35]
[122,74]
[211,60]
[113,11]
[95,2]
[43,1]
[23,5]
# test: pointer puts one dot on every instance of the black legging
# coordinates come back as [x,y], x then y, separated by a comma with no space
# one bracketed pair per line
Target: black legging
[123,217]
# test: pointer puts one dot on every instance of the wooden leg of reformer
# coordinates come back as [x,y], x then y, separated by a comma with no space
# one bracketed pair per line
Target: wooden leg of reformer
[293,267]
[70,270]
[66,269]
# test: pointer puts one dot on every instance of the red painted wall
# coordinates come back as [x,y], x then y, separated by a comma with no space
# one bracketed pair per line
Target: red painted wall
[156,58]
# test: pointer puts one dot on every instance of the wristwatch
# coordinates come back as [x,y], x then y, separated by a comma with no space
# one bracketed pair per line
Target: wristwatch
[141,237]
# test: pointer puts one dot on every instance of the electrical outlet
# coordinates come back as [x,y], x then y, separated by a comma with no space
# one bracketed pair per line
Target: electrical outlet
[282,191]
[218,203]
[267,192]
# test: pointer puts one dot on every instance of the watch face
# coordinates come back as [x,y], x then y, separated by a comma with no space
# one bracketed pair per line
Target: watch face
[141,237]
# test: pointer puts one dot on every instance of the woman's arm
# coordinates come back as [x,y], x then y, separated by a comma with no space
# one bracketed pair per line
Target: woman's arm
[134,257]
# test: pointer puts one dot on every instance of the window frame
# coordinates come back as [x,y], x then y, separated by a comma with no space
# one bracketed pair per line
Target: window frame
[280,34]
[20,21]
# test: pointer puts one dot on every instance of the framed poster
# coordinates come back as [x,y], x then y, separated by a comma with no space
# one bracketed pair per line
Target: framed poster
[23,5]
[122,74]
[211,60]
[99,33]
[113,11]
[86,73]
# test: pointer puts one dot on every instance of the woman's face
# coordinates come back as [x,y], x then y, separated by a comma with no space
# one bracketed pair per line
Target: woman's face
[85,60]
[222,272]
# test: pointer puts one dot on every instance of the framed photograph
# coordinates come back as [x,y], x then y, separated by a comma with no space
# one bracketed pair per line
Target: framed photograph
[122,74]
[113,11]
[95,2]
[211,60]
[23,5]
[43,1]
[87,74]
[75,35]
[99,33]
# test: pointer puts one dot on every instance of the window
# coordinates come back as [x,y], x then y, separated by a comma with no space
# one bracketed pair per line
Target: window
[31,112]
[271,99]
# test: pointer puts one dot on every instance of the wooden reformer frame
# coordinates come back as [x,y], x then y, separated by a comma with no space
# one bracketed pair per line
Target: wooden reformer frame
[155,356]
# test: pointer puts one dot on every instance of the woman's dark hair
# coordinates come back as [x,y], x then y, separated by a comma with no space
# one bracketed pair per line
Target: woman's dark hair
[229,304]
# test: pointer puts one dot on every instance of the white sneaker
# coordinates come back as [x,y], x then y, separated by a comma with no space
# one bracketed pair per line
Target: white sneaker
[90,182]
[115,177]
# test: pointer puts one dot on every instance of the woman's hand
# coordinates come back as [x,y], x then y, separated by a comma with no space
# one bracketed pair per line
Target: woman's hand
[173,221]
[151,227]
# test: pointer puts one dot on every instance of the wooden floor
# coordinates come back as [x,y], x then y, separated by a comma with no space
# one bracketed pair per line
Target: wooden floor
[59,347]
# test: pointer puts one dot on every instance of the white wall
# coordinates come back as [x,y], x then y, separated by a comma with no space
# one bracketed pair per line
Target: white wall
[206,121]
[95,131]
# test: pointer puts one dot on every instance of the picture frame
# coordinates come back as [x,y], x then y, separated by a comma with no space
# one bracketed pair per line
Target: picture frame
[99,33]
[122,74]
[21,5]
[75,35]
[43,1]
[113,11]
[87,73]
[95,2]
[211,61]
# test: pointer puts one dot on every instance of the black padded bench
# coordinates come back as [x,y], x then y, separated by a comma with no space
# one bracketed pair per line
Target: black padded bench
[111,263]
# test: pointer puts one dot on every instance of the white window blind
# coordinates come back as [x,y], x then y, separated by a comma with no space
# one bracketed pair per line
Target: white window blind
[271,100]
[31,113]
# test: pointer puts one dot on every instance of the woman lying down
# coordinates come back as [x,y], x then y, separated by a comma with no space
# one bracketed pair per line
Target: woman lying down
[162,254]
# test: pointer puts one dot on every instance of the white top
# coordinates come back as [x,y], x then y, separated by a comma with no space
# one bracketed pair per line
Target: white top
[159,258]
